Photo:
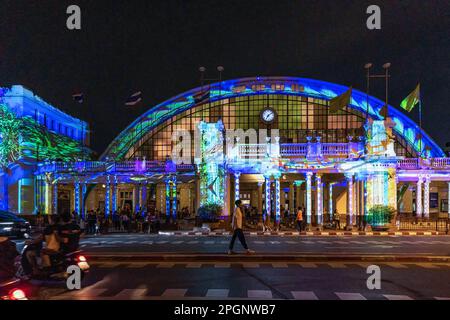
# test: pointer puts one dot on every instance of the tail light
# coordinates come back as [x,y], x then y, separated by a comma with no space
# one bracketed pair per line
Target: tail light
[17,294]
[82,263]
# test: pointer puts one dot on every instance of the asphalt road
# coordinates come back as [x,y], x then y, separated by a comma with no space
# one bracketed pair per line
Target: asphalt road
[222,281]
[401,245]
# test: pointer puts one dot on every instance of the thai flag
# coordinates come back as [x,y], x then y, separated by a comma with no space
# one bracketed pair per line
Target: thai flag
[78,97]
[201,97]
[134,99]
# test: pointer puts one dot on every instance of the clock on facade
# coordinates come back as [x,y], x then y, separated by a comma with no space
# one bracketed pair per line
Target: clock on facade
[268,115]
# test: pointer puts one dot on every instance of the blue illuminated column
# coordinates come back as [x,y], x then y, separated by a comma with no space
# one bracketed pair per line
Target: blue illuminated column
[136,198]
[267,196]
[83,199]
[108,196]
[174,198]
[77,197]
[55,198]
[277,199]
[419,209]
[236,186]
[330,201]
[167,198]
[308,199]
[114,197]
[426,197]
[144,198]
[319,193]
[350,211]
[448,199]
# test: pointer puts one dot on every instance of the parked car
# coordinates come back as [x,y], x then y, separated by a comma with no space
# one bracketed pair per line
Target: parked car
[12,225]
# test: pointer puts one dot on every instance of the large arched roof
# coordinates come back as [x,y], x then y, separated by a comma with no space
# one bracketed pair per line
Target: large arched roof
[404,126]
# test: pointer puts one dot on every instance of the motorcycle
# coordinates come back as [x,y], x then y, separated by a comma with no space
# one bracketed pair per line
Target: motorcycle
[59,262]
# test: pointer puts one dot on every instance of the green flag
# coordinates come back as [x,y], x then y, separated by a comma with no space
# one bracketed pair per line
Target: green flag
[341,101]
[410,101]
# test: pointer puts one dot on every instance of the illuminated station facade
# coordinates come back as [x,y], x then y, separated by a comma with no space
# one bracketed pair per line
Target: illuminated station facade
[271,142]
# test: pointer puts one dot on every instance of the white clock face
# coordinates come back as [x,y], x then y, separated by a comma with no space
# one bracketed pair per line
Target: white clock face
[268,115]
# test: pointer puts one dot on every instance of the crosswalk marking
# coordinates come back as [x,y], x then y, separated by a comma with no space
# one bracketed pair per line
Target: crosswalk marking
[350,296]
[85,294]
[307,265]
[165,265]
[427,265]
[441,298]
[177,242]
[396,297]
[192,242]
[193,265]
[174,293]
[279,265]
[337,265]
[251,265]
[217,293]
[221,265]
[304,295]
[131,294]
[209,242]
[396,265]
[259,294]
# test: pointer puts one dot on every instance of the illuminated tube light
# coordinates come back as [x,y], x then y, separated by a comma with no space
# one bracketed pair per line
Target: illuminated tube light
[419,210]
[55,198]
[350,199]
[308,197]
[168,199]
[84,193]
[236,186]
[330,200]
[77,198]
[277,200]
[426,197]
[174,198]
[319,200]
[107,197]
[267,196]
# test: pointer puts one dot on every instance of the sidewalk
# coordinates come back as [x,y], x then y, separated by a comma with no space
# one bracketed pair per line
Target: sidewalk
[307,233]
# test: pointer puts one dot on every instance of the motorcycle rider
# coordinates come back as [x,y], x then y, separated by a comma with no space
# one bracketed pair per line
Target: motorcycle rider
[69,232]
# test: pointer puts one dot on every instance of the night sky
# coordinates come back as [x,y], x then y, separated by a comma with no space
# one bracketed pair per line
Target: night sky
[157,46]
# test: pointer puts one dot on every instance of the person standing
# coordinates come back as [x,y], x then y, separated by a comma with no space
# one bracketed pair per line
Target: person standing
[237,229]
[300,219]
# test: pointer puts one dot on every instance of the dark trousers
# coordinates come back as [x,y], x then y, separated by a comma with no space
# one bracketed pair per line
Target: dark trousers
[300,225]
[240,234]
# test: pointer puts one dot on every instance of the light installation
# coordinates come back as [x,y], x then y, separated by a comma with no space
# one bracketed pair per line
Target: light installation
[308,198]
[319,199]
[267,196]
[174,197]
[277,199]
[402,125]
[210,165]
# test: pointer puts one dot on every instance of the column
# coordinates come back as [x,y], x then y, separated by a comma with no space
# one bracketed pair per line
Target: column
[277,199]
[83,199]
[136,197]
[267,197]
[426,197]
[260,184]
[114,197]
[77,197]
[167,197]
[291,198]
[350,211]
[298,187]
[107,196]
[308,199]
[419,208]
[144,193]
[237,176]
[330,202]
[319,204]
[448,199]
[174,198]
[55,198]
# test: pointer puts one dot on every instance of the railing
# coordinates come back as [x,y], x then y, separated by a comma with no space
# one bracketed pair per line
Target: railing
[292,150]
[252,150]
[335,149]
[416,163]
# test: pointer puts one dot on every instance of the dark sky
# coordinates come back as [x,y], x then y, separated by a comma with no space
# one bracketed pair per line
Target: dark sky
[157,47]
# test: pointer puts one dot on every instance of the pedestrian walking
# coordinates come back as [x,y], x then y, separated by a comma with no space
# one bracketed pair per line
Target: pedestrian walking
[237,229]
[300,219]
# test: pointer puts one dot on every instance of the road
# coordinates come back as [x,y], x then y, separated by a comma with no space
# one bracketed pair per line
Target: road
[401,245]
[136,266]
[221,281]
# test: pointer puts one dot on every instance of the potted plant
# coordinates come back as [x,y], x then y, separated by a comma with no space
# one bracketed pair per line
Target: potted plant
[381,217]
[209,215]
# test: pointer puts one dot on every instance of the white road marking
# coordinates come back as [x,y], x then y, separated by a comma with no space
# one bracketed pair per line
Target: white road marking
[350,296]
[174,293]
[397,297]
[217,293]
[259,294]
[304,295]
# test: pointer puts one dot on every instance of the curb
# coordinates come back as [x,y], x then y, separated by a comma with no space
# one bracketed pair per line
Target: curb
[239,258]
[312,233]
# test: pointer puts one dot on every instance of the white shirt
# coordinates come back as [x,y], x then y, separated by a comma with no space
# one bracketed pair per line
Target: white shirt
[237,219]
